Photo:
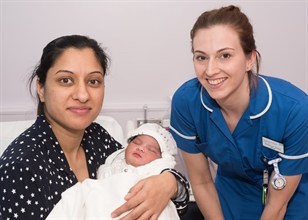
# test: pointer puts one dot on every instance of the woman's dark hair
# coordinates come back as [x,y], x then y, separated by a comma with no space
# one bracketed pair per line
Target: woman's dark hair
[55,48]
[233,17]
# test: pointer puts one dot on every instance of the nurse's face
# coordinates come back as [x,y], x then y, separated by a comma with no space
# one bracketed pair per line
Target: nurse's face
[74,90]
[220,63]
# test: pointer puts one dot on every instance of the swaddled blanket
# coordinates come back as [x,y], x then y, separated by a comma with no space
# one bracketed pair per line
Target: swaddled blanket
[96,199]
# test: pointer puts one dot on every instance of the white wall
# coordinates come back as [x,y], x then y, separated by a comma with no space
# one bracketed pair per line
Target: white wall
[148,42]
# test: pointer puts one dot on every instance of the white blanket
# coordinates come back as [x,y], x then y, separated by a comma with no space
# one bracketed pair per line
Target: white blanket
[96,199]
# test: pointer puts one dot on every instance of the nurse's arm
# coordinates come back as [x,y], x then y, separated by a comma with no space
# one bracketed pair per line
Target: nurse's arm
[202,185]
[277,200]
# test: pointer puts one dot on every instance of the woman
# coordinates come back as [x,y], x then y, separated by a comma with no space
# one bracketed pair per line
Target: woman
[254,127]
[64,146]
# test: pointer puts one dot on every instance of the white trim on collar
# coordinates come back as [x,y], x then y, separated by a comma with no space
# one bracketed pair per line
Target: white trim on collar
[270,99]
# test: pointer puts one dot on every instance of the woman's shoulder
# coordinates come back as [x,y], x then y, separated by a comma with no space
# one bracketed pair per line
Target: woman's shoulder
[286,96]
[97,134]
[191,84]
[188,89]
[285,88]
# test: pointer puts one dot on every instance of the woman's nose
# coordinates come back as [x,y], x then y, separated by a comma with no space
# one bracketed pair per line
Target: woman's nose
[211,68]
[81,93]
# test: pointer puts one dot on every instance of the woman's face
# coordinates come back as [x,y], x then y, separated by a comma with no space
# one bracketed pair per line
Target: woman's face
[73,93]
[220,63]
[141,150]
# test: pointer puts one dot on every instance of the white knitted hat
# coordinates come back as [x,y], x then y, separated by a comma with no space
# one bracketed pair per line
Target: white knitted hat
[161,135]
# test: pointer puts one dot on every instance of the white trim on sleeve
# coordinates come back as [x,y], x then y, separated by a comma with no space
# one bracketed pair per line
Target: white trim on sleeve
[182,135]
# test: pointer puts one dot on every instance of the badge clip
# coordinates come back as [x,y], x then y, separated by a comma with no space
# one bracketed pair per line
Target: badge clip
[278,181]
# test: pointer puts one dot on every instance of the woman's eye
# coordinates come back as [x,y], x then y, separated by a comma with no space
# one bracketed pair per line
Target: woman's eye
[200,58]
[225,56]
[95,82]
[65,81]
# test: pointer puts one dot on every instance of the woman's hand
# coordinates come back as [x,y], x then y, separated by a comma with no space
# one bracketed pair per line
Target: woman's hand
[148,198]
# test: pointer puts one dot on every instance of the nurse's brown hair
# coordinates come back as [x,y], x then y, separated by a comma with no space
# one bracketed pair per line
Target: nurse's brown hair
[234,18]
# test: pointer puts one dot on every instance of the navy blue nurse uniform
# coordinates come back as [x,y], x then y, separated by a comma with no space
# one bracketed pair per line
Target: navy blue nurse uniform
[277,111]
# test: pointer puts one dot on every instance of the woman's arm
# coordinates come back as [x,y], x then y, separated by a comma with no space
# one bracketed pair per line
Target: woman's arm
[277,200]
[181,198]
[21,193]
[202,185]
[148,198]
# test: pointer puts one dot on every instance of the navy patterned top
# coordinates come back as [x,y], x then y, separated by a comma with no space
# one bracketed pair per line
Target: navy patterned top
[34,170]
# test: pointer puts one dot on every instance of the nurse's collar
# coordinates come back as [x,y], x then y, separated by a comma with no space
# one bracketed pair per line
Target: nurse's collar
[269,102]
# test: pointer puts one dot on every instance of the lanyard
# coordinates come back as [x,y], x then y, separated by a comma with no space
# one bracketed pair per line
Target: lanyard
[265,180]
[264,186]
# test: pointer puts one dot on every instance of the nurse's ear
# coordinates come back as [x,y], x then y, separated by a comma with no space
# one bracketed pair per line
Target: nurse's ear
[40,89]
[251,60]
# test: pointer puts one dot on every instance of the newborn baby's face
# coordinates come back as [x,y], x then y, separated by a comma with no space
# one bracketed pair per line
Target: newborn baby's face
[142,150]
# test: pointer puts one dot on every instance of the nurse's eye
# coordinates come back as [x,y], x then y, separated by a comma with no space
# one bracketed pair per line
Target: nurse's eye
[225,56]
[200,57]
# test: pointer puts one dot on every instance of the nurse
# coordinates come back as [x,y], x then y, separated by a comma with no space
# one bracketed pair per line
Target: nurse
[254,127]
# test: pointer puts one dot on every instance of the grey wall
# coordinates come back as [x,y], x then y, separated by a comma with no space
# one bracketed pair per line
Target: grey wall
[148,42]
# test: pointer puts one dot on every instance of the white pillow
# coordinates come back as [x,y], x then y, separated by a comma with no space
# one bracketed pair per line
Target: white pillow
[9,130]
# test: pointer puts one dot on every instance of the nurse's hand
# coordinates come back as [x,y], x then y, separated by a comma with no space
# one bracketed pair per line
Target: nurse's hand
[148,198]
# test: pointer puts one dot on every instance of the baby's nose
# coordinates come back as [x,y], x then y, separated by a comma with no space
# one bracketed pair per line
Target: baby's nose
[140,148]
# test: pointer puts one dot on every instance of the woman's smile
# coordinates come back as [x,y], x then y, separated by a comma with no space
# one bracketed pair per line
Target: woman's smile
[79,110]
[216,82]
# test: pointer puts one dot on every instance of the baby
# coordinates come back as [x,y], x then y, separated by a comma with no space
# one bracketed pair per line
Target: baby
[150,149]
